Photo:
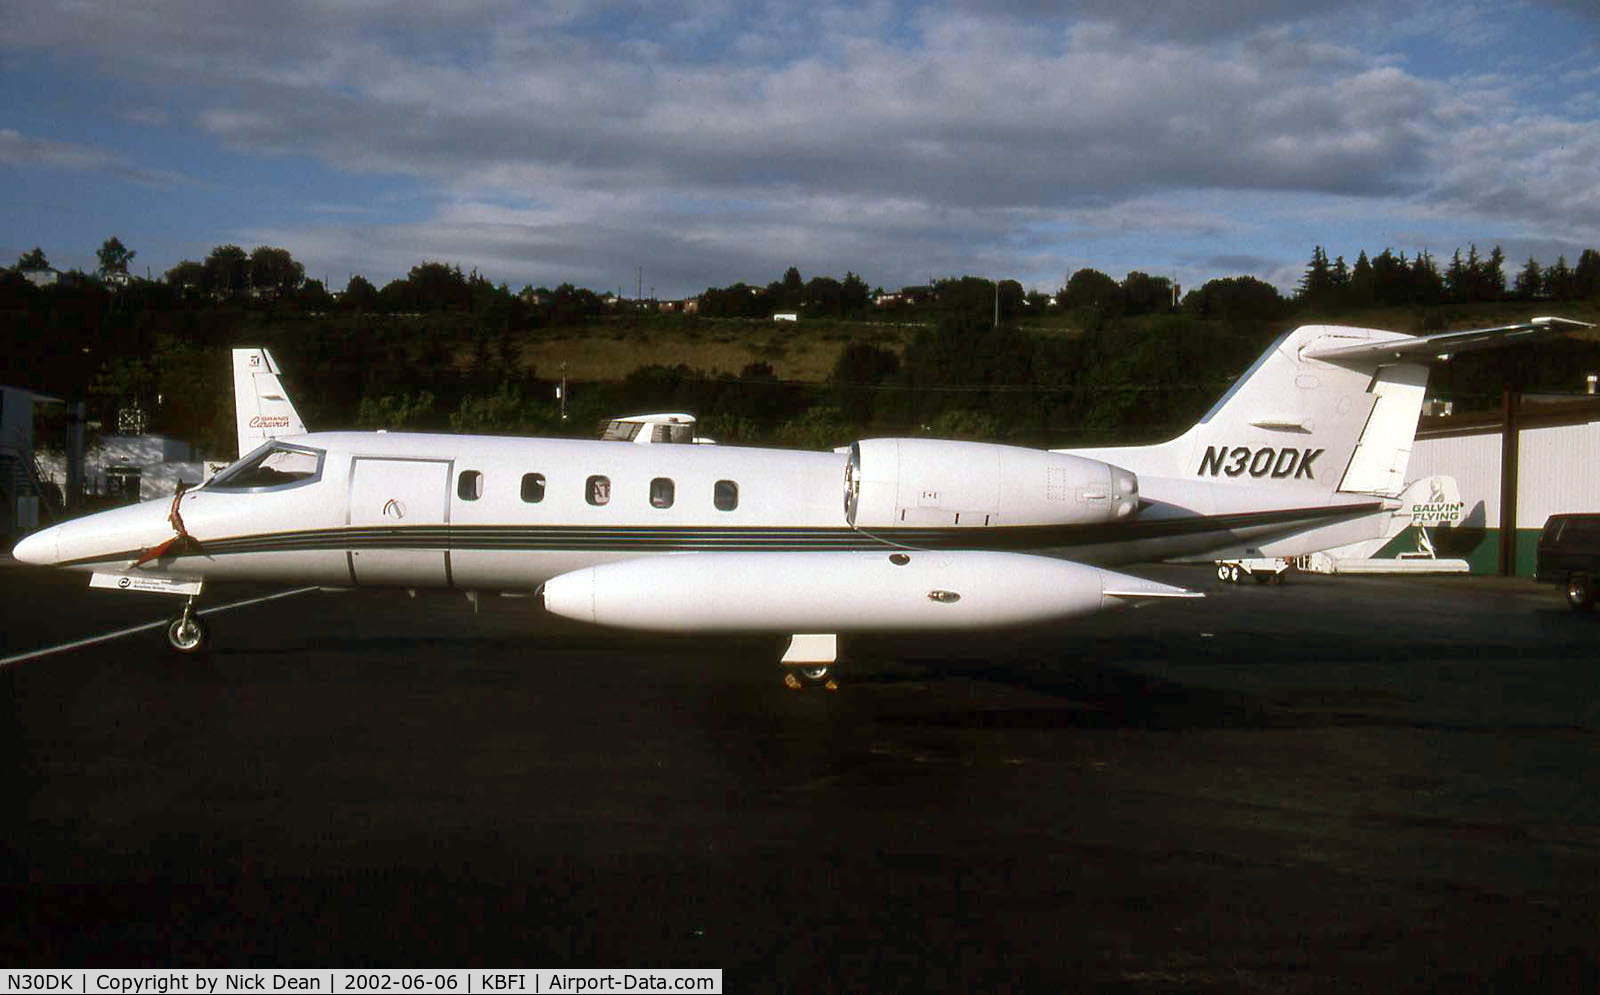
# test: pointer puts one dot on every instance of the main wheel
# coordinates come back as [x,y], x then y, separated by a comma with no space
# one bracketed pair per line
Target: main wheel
[1580,593]
[797,678]
[1233,574]
[1222,572]
[188,635]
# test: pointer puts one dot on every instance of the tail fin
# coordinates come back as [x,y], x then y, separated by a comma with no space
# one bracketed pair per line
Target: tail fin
[1326,409]
[261,405]
[1296,422]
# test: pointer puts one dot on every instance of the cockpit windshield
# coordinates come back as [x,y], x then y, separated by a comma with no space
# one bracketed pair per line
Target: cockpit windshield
[275,464]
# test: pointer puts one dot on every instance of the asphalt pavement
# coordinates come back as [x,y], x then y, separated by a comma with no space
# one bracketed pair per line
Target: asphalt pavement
[1339,784]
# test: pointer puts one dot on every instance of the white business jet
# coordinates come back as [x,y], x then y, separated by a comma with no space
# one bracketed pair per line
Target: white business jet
[1306,451]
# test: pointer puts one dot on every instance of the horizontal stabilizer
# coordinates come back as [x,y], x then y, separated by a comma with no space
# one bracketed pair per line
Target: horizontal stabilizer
[1422,348]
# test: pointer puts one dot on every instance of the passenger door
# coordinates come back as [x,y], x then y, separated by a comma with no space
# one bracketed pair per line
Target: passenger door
[399,517]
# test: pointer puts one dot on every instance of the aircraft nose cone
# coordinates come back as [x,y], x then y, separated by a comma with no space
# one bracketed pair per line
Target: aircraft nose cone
[41,548]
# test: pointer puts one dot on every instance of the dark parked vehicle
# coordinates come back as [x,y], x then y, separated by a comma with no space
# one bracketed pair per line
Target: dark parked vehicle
[1569,553]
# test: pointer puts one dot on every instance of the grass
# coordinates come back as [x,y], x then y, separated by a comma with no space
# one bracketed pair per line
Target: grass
[805,351]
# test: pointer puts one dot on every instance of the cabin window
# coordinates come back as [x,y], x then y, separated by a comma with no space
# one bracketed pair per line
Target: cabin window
[621,431]
[272,465]
[469,486]
[533,487]
[725,495]
[662,491]
[598,490]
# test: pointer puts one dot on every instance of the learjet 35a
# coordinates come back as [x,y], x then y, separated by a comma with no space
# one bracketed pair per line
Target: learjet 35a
[1306,451]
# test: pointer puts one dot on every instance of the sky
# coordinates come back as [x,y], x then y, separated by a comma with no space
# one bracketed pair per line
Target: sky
[672,147]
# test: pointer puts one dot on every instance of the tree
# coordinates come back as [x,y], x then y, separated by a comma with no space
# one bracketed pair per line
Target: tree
[853,294]
[1391,278]
[975,296]
[824,297]
[1558,282]
[1091,288]
[434,286]
[1530,282]
[187,277]
[227,271]
[313,296]
[1146,294]
[1586,276]
[860,368]
[359,294]
[33,260]
[1476,279]
[1458,277]
[792,290]
[403,410]
[1424,285]
[114,256]
[1492,279]
[1011,294]
[1316,287]
[1237,298]
[1363,289]
[274,273]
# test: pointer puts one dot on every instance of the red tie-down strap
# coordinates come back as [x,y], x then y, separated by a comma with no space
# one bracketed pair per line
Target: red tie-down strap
[181,537]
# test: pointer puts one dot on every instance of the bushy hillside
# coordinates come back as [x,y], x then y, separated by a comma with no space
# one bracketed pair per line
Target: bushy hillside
[1104,360]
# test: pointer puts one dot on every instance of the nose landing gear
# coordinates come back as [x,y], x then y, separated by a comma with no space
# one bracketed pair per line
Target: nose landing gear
[188,633]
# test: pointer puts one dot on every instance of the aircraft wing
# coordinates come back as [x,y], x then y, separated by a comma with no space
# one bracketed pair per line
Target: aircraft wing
[1427,347]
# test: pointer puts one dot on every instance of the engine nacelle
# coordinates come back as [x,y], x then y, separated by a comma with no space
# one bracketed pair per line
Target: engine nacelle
[923,482]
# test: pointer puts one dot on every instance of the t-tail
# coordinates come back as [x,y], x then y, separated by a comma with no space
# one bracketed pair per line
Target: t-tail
[1327,410]
[261,405]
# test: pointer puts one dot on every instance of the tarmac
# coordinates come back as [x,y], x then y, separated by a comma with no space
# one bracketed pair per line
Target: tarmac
[1343,783]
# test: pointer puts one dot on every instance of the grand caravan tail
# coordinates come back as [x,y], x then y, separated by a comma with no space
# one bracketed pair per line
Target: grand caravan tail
[262,407]
[1327,410]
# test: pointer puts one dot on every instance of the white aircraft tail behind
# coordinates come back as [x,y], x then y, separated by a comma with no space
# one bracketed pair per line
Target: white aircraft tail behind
[261,405]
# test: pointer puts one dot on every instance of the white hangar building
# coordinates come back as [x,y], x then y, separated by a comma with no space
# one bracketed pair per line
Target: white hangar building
[1535,457]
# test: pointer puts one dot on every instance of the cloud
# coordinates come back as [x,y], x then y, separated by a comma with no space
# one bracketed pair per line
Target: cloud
[17,149]
[708,139]
[978,116]
[1538,172]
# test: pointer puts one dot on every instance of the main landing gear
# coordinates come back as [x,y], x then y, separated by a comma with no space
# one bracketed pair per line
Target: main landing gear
[188,633]
[799,678]
[808,662]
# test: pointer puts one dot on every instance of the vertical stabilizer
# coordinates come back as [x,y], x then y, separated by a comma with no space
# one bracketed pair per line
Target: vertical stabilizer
[261,405]
[1297,426]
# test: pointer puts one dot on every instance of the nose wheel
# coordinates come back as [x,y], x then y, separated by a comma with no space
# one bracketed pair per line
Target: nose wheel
[188,633]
